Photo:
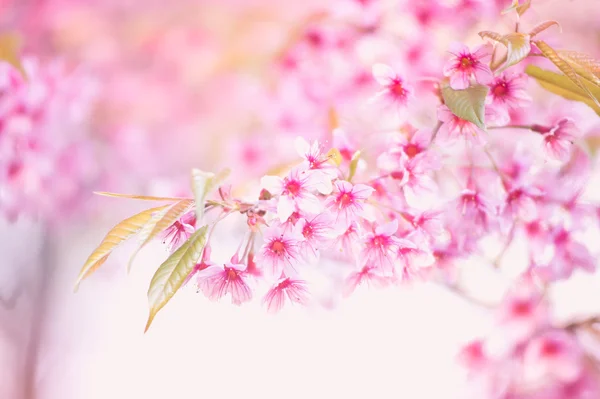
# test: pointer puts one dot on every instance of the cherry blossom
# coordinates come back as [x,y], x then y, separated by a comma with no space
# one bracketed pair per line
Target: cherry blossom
[294,291]
[280,251]
[218,280]
[465,64]
[395,89]
[297,191]
[347,201]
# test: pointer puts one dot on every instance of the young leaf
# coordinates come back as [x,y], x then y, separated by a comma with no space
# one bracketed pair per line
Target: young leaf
[162,221]
[118,234]
[497,37]
[542,27]
[518,45]
[353,165]
[170,275]
[565,68]
[564,87]
[203,183]
[584,65]
[10,45]
[139,197]
[468,104]
[335,157]
[520,8]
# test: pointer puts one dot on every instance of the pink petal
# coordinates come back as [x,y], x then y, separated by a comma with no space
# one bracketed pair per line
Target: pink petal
[459,80]
[383,74]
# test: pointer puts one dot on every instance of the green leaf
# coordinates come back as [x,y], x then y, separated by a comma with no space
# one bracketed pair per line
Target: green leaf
[468,104]
[565,68]
[203,183]
[160,222]
[117,235]
[565,87]
[353,165]
[518,46]
[171,274]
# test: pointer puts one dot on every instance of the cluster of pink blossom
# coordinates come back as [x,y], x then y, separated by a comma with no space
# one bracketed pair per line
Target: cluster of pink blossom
[393,184]
[46,156]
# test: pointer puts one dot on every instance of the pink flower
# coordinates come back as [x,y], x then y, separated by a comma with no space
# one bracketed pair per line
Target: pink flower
[507,91]
[316,231]
[345,245]
[428,223]
[179,231]
[294,290]
[558,139]
[569,255]
[380,247]
[412,174]
[466,64]
[368,275]
[217,281]
[522,313]
[347,201]
[412,260]
[297,190]
[314,158]
[475,209]
[280,251]
[520,202]
[395,89]
[555,355]
[454,127]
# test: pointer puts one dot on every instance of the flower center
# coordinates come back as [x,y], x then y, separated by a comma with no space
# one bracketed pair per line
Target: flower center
[278,247]
[466,62]
[345,199]
[411,150]
[550,347]
[521,308]
[231,274]
[307,231]
[397,89]
[293,187]
[500,90]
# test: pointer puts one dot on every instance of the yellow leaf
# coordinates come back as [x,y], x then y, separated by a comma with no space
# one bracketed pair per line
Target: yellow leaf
[160,222]
[584,65]
[353,165]
[335,157]
[497,37]
[542,27]
[565,68]
[519,7]
[171,274]
[10,46]
[564,87]
[518,46]
[139,197]
[118,234]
